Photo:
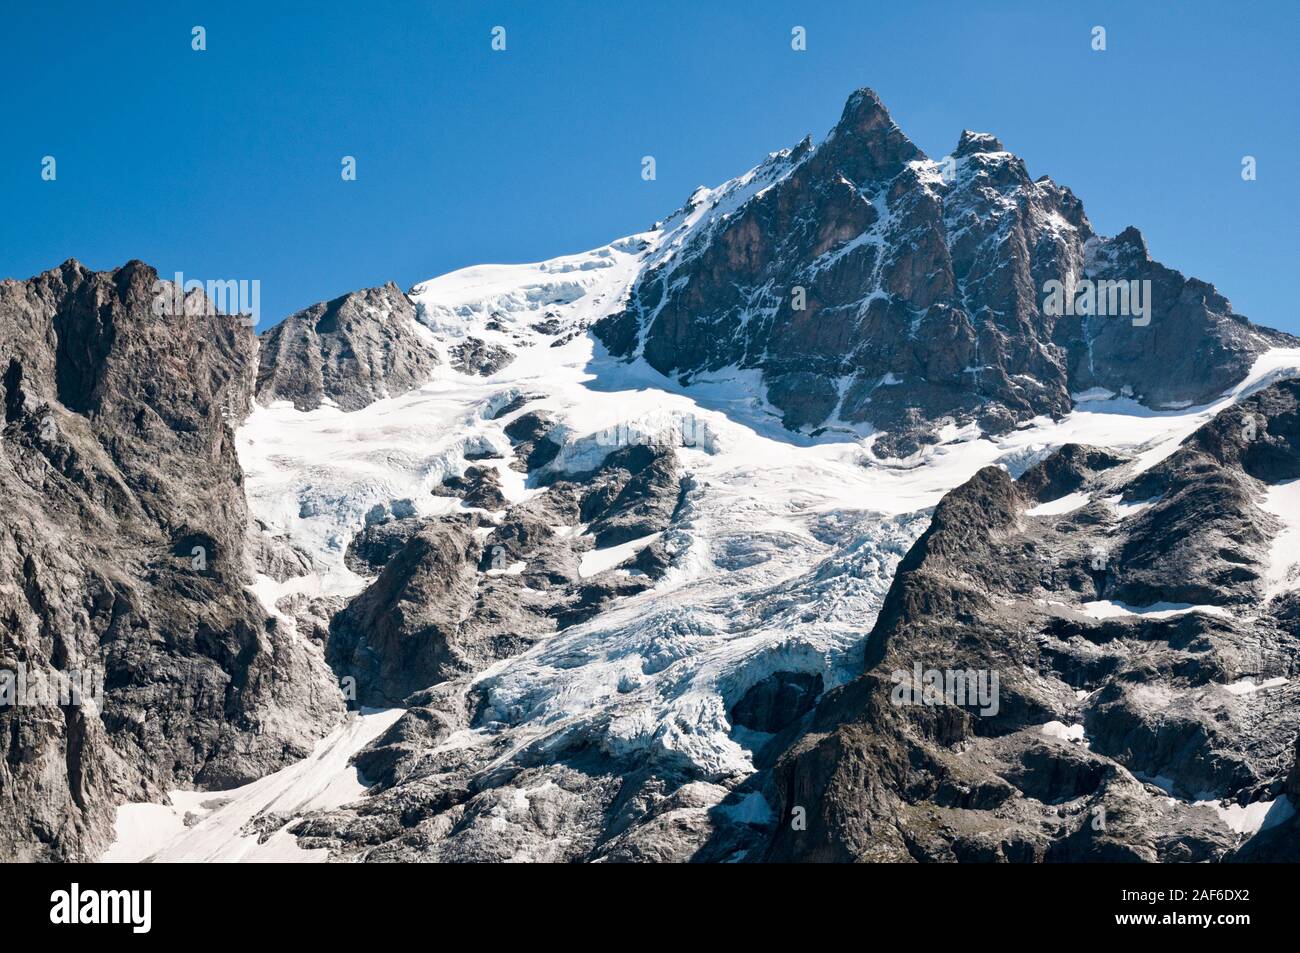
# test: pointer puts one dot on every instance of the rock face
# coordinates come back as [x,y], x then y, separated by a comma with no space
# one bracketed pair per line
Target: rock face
[352,351]
[1138,653]
[459,592]
[474,356]
[871,285]
[122,554]
[630,620]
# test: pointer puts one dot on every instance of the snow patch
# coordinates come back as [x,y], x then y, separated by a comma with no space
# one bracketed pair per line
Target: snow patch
[1058,729]
[1105,609]
[1250,819]
[1283,572]
[217,819]
[1057,507]
[1248,687]
[598,560]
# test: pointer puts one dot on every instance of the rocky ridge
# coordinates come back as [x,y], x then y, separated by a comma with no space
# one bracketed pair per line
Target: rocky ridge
[621,636]
[122,553]
[874,287]
[351,351]
[1147,692]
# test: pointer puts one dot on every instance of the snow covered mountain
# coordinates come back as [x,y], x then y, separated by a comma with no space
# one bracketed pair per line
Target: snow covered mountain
[861,265]
[616,556]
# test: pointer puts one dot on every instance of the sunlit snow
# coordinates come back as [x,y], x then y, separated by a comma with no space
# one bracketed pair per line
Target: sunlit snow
[786,544]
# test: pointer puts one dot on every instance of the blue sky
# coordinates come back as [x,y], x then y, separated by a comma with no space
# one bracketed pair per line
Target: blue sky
[225,163]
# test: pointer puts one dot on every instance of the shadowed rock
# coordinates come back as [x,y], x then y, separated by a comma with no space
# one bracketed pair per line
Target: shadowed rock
[122,552]
[872,286]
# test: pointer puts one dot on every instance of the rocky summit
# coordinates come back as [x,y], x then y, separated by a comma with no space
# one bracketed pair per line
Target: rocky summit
[869,507]
[870,284]
[348,352]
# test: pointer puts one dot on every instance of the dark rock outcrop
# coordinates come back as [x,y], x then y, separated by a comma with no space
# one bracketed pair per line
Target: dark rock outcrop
[477,486]
[474,356]
[458,593]
[777,701]
[122,553]
[872,286]
[531,434]
[403,633]
[1183,686]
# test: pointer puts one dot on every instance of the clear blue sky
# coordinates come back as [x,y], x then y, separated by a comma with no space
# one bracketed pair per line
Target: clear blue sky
[225,163]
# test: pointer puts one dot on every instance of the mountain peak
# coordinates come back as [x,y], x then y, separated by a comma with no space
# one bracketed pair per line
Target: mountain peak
[1131,237]
[972,142]
[358,348]
[864,107]
[869,279]
[866,144]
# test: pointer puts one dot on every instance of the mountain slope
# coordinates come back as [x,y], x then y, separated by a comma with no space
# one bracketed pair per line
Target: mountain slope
[865,266]
[647,731]
[1147,709]
[607,535]
[122,558]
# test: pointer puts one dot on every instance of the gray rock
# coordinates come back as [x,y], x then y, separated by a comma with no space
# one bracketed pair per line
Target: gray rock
[990,589]
[477,487]
[940,313]
[122,552]
[354,350]
[474,356]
